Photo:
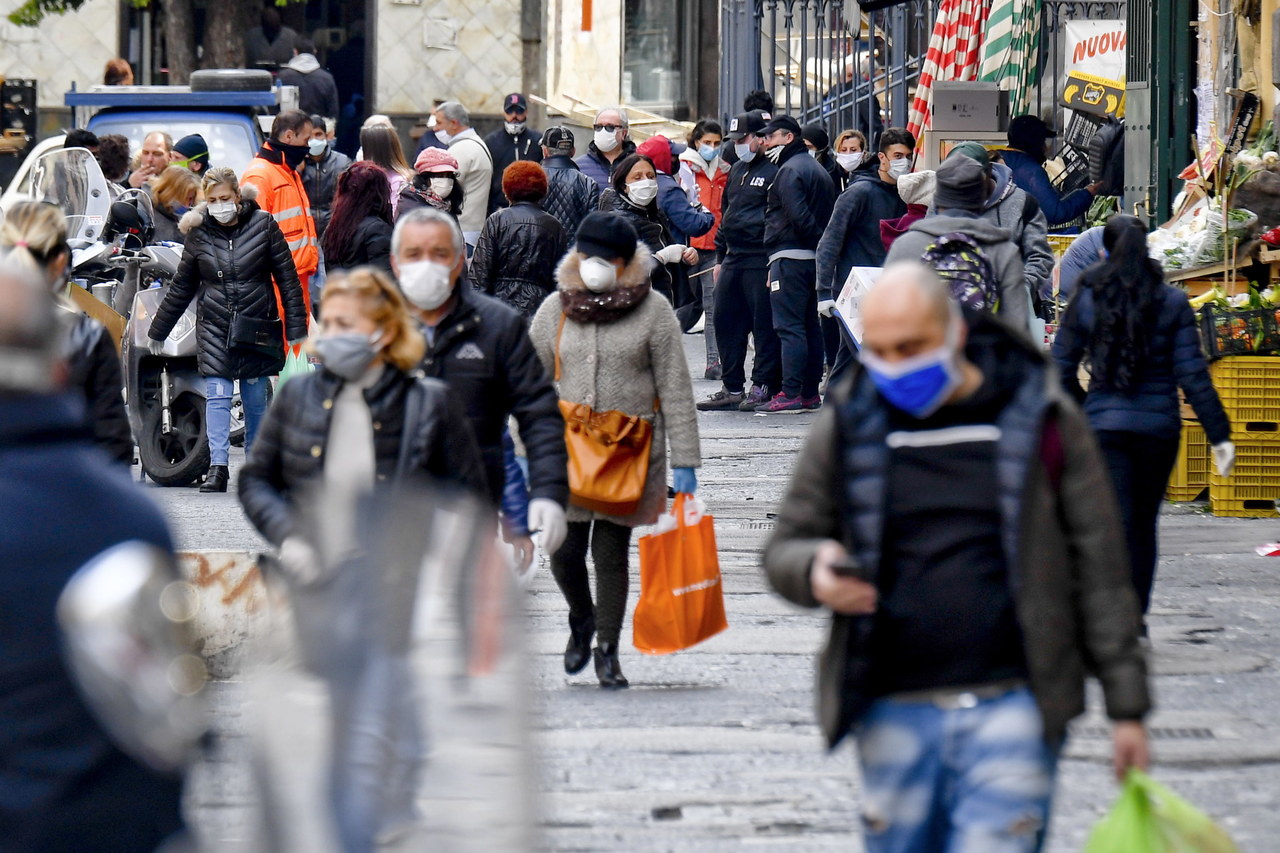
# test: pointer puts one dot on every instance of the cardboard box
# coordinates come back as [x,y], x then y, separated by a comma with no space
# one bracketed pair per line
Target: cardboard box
[969,106]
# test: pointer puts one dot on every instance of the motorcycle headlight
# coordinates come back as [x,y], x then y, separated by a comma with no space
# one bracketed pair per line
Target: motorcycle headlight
[186,325]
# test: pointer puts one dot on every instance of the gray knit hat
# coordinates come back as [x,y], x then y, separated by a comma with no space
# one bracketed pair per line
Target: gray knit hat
[960,184]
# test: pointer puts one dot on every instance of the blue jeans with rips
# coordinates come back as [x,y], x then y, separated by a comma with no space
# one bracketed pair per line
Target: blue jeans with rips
[976,779]
[217,413]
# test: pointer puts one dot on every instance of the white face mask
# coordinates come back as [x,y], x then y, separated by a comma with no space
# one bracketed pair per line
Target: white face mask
[224,211]
[849,160]
[515,128]
[744,152]
[597,274]
[898,168]
[444,136]
[426,283]
[317,147]
[813,153]
[606,140]
[442,187]
[643,191]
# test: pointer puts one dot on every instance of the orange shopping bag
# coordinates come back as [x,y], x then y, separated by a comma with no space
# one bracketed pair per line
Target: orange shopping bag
[681,601]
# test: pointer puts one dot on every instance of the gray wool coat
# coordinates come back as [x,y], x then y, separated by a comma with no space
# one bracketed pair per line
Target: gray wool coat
[626,365]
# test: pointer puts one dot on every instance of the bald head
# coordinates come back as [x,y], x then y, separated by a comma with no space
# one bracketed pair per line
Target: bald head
[908,312]
[29,335]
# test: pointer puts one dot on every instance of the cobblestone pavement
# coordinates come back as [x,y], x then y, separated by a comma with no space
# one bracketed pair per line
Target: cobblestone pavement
[716,748]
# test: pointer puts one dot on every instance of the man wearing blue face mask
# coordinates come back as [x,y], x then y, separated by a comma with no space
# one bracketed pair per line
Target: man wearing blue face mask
[952,510]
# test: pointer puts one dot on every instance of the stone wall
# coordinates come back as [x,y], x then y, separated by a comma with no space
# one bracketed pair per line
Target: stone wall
[64,49]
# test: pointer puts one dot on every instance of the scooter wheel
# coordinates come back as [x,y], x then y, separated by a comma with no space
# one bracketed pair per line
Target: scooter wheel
[181,456]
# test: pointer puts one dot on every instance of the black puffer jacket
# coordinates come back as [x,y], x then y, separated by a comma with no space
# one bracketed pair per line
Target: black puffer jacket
[516,256]
[292,446]
[321,183]
[571,195]
[369,246]
[93,366]
[651,227]
[483,353]
[230,267]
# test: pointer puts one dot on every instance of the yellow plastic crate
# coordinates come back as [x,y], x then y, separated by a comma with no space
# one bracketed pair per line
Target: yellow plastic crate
[1059,243]
[1249,386]
[1190,475]
[1254,486]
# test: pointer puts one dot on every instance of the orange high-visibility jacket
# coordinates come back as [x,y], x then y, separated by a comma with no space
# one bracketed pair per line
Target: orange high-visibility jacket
[280,193]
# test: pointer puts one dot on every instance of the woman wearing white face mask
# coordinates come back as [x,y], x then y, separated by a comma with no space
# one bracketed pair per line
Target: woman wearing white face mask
[619,349]
[712,174]
[357,427]
[233,254]
[851,155]
[633,194]
[435,184]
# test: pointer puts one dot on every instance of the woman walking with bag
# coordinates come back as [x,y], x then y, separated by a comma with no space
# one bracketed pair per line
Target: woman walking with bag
[1139,335]
[359,425]
[234,251]
[614,348]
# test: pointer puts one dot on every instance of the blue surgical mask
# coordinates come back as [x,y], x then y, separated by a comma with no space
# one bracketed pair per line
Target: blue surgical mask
[744,152]
[708,152]
[918,385]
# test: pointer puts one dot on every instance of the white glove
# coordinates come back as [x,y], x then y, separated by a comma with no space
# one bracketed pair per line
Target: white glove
[299,560]
[155,347]
[1224,458]
[826,306]
[546,517]
[670,254]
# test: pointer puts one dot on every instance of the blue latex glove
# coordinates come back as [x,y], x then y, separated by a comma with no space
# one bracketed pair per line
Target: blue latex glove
[684,480]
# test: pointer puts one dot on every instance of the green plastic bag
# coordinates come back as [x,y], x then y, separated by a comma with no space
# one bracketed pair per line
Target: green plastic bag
[295,364]
[1149,818]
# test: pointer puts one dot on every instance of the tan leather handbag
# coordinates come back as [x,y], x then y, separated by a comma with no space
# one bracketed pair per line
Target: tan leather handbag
[608,453]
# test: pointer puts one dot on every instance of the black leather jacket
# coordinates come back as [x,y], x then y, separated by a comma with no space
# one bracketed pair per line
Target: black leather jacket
[230,268]
[320,180]
[426,438]
[370,246]
[571,195]
[93,366]
[516,256]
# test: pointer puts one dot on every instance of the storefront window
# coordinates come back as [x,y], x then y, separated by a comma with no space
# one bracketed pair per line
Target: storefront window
[652,65]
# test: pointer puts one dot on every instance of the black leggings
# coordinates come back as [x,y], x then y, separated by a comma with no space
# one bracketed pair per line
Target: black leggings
[1140,466]
[609,546]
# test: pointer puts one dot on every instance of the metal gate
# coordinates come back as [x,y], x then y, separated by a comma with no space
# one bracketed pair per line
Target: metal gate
[821,60]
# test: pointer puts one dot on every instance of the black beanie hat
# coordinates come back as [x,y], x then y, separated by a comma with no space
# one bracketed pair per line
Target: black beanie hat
[817,135]
[606,235]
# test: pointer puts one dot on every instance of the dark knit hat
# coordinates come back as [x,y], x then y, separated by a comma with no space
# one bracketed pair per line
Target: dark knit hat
[816,135]
[606,235]
[975,151]
[524,180]
[193,148]
[961,184]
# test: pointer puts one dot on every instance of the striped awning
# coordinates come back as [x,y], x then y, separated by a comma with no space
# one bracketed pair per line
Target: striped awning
[1009,50]
[955,52]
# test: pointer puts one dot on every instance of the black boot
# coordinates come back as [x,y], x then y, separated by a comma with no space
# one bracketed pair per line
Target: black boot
[608,670]
[216,479]
[578,652]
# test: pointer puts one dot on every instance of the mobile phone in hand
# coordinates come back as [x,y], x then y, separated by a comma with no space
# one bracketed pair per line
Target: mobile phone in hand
[851,568]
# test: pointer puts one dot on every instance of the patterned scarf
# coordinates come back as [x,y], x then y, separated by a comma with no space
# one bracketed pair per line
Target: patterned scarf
[583,306]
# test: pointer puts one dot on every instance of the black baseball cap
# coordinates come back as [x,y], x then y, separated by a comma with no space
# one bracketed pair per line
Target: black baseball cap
[515,103]
[786,123]
[1028,133]
[752,122]
[558,139]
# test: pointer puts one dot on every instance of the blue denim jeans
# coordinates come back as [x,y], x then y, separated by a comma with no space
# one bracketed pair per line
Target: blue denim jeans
[217,413]
[956,779]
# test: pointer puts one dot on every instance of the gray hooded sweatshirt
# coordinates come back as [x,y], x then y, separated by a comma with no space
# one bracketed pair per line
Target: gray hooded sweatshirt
[1008,208]
[997,245]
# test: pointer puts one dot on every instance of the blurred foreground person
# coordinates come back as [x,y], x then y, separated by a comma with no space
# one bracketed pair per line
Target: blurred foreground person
[613,344]
[357,427]
[1142,344]
[951,509]
[33,238]
[66,786]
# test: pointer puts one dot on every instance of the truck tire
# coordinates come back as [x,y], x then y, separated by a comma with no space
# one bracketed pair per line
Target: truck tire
[179,458]
[231,80]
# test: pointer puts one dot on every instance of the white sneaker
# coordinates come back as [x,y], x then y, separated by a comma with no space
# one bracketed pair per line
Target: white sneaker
[699,326]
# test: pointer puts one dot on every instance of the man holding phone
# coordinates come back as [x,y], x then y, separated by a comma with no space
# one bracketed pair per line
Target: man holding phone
[951,509]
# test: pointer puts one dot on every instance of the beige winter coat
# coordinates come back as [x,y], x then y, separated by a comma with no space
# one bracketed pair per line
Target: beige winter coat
[626,365]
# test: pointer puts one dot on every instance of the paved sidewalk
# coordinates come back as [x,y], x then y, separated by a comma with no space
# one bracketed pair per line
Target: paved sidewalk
[716,748]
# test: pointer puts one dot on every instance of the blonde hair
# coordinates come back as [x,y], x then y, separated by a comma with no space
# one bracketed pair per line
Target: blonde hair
[32,234]
[382,303]
[846,135]
[218,176]
[175,186]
